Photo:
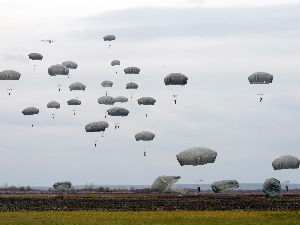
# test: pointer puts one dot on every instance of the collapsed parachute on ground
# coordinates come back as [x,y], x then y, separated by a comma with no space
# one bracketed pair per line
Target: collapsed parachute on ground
[163,183]
[96,126]
[144,136]
[30,111]
[272,187]
[70,64]
[58,70]
[107,83]
[109,37]
[121,99]
[115,62]
[146,101]
[132,70]
[35,56]
[62,185]
[286,162]
[224,185]
[53,105]
[74,101]
[260,78]
[118,111]
[196,156]
[106,100]
[77,87]
[131,85]
[9,75]
[175,79]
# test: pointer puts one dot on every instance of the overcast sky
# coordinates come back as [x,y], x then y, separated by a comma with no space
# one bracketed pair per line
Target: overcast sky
[217,44]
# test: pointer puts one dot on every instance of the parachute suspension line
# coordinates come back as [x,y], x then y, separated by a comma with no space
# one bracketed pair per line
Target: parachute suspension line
[175,98]
[260,97]
[9,90]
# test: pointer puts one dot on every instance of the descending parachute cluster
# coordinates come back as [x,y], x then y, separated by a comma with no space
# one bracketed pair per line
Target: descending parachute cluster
[196,156]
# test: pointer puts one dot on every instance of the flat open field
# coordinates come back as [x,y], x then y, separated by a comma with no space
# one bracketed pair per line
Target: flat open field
[150,217]
[147,202]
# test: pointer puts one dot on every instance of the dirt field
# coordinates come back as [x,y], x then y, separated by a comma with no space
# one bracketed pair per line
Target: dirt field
[147,202]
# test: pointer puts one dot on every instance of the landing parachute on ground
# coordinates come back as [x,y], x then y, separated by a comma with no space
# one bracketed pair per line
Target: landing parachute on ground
[62,185]
[272,187]
[163,183]
[224,185]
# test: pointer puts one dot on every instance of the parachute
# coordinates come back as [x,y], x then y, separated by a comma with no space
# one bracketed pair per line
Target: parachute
[115,62]
[121,99]
[106,100]
[163,183]
[286,162]
[58,69]
[144,136]
[131,87]
[117,112]
[132,70]
[107,84]
[77,87]
[99,126]
[260,78]
[196,156]
[146,101]
[74,102]
[62,185]
[35,56]
[30,111]
[109,38]
[70,64]
[175,79]
[272,187]
[224,185]
[10,75]
[53,105]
